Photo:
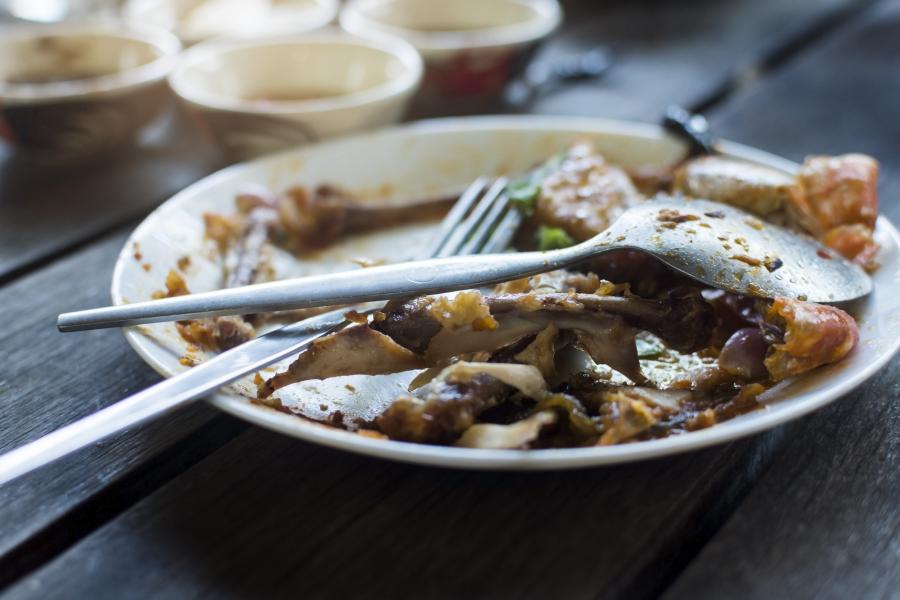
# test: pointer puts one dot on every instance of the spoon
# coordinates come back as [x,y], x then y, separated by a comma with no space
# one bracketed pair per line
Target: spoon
[718,245]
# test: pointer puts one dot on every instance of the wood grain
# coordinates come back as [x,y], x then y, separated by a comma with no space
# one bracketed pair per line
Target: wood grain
[48,379]
[273,517]
[677,52]
[824,522]
[837,98]
[47,211]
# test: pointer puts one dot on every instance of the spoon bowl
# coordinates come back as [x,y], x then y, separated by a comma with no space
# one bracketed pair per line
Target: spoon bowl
[730,249]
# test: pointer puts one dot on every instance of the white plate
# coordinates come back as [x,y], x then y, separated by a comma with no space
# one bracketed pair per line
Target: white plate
[423,158]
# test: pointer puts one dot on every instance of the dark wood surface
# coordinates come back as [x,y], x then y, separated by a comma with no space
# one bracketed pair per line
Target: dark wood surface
[824,520]
[200,504]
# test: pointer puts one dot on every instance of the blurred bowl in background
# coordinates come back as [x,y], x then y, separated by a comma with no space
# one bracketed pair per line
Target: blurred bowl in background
[197,20]
[258,96]
[76,92]
[470,47]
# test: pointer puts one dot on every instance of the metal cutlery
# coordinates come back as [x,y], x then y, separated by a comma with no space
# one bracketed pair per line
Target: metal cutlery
[718,245]
[480,219]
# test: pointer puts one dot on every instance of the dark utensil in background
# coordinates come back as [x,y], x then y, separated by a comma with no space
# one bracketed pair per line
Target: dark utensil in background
[544,76]
[692,128]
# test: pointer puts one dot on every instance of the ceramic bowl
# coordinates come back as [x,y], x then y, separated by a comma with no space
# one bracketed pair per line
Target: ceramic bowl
[257,96]
[71,92]
[470,47]
[194,21]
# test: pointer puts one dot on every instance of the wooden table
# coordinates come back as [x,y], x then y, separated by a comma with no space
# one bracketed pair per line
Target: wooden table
[200,504]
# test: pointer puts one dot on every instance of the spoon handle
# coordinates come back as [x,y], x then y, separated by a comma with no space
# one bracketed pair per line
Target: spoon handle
[376,283]
[692,128]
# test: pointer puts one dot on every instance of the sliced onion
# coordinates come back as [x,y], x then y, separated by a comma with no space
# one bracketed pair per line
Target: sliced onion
[525,378]
[516,435]
[744,354]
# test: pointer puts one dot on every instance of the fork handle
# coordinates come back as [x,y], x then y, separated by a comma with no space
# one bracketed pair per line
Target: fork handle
[376,283]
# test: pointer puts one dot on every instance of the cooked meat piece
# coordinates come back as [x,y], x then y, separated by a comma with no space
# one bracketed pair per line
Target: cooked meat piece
[774,340]
[854,242]
[814,335]
[175,286]
[243,243]
[358,349]
[221,229]
[558,281]
[412,323]
[216,333]
[585,194]
[245,259]
[683,320]
[439,412]
[642,273]
[469,323]
[840,204]
[627,416]
[252,197]
[753,187]
[423,332]
[838,190]
[313,219]
[652,179]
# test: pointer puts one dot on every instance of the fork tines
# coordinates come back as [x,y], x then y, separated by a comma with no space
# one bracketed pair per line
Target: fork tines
[482,218]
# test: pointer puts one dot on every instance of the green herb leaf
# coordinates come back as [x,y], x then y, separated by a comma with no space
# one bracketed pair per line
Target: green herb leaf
[523,193]
[553,238]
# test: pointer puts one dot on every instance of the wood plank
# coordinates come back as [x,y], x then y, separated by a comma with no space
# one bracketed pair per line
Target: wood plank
[46,211]
[824,522]
[48,379]
[676,52]
[273,517]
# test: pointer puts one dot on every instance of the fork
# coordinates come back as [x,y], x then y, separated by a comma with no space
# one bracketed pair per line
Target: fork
[482,220]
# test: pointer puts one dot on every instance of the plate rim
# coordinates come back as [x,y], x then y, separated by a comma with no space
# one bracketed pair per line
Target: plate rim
[487,459]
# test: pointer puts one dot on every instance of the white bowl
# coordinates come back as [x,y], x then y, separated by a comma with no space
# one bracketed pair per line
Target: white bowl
[194,21]
[70,90]
[256,96]
[469,46]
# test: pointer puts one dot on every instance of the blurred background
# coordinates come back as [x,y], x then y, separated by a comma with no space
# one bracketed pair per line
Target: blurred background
[154,94]
[89,79]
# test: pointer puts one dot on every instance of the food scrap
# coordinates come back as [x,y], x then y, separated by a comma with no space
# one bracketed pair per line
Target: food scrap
[619,350]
